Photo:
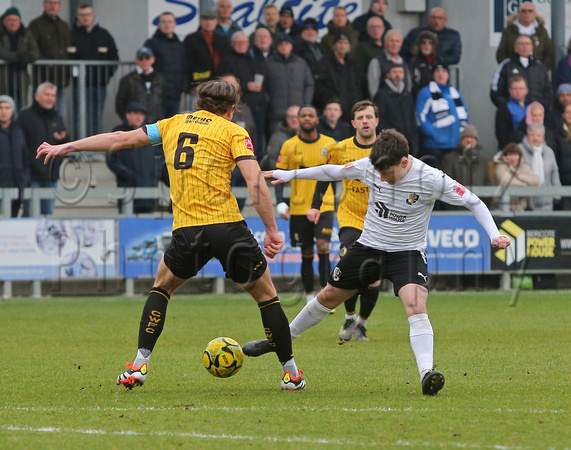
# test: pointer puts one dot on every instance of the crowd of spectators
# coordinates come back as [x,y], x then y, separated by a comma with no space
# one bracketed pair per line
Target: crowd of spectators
[283,65]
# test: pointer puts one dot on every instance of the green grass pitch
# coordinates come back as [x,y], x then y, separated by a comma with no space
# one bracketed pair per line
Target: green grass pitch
[507,377]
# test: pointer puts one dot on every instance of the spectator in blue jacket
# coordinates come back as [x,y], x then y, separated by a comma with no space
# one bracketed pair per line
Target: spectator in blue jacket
[449,48]
[562,74]
[442,114]
[12,151]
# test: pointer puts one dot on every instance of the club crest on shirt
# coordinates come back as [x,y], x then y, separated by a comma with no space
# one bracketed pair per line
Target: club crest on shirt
[336,273]
[324,152]
[249,144]
[459,189]
[412,198]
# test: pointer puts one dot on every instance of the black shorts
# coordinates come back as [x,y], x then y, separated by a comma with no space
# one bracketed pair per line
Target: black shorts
[347,237]
[231,243]
[302,231]
[362,266]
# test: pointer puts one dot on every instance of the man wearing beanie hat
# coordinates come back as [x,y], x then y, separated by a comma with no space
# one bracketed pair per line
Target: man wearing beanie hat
[468,163]
[306,46]
[339,25]
[13,173]
[287,24]
[18,48]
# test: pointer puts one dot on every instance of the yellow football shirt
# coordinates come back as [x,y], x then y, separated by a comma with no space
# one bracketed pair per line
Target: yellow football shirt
[201,150]
[297,153]
[355,197]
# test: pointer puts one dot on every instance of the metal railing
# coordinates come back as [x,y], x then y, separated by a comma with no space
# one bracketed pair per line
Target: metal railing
[86,90]
[109,197]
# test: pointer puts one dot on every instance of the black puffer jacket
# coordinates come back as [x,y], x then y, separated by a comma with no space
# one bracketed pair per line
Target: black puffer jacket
[563,155]
[201,62]
[132,88]
[39,125]
[171,61]
[13,170]
[95,45]
[244,67]
[536,75]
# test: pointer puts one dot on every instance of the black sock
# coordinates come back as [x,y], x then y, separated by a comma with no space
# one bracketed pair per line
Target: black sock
[351,304]
[276,327]
[324,268]
[153,318]
[307,275]
[368,302]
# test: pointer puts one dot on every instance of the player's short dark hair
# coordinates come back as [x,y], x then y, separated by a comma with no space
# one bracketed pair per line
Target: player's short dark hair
[216,96]
[308,106]
[388,150]
[360,106]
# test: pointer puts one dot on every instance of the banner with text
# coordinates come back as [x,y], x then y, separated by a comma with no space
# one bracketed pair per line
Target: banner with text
[37,249]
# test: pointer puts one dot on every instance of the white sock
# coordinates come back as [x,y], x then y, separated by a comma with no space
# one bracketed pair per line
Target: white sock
[422,342]
[291,367]
[311,314]
[309,297]
[361,321]
[350,316]
[143,356]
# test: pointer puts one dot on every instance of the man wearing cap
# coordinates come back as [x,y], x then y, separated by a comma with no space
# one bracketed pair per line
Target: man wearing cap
[306,45]
[442,115]
[336,77]
[377,9]
[205,49]
[18,48]
[13,170]
[93,43]
[142,85]
[287,24]
[289,80]
[170,61]
[468,163]
[225,27]
[141,167]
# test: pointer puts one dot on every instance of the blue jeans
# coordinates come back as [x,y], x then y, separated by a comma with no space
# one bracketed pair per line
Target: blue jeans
[46,205]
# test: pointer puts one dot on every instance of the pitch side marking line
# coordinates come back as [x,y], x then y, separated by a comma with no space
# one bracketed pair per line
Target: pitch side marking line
[257,408]
[399,443]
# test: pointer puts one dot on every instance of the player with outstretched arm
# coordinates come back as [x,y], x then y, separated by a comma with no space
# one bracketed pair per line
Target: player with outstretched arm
[392,245]
[201,150]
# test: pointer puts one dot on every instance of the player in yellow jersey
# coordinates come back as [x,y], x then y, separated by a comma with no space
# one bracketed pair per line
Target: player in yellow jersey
[352,209]
[307,149]
[201,150]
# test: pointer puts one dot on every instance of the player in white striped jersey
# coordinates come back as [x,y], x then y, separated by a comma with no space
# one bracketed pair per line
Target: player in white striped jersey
[402,194]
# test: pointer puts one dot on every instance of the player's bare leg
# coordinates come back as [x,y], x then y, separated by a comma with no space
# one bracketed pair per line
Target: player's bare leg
[276,327]
[151,325]
[414,298]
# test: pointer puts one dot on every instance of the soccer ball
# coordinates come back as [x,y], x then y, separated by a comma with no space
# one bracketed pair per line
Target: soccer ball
[223,357]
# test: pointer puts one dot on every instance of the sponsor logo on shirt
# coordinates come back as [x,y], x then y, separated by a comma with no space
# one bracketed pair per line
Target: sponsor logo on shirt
[386,213]
[459,189]
[249,144]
